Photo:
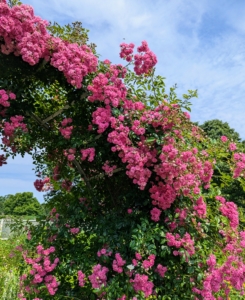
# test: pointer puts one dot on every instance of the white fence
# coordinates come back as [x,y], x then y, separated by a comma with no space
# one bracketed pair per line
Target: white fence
[5,230]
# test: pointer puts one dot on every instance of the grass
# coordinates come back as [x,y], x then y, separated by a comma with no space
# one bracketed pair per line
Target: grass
[19,217]
[28,217]
[9,284]
[10,263]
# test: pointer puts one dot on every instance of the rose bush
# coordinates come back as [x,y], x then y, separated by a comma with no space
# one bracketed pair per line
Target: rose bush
[134,212]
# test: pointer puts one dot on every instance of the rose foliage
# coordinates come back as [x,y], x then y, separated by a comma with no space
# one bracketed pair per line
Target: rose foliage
[134,211]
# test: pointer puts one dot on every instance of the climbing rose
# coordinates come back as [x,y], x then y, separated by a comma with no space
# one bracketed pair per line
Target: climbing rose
[155,214]
[224,138]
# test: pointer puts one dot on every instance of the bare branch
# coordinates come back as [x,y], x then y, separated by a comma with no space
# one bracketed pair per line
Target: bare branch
[84,95]
[82,173]
[98,136]
[58,112]
[38,120]
[103,175]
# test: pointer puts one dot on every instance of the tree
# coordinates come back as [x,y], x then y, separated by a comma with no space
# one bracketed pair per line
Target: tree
[134,210]
[22,204]
[231,189]
[216,128]
[2,200]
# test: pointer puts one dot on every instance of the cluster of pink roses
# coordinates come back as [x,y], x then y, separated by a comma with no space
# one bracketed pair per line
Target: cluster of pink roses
[148,263]
[98,277]
[239,159]
[108,88]
[179,220]
[142,280]
[66,184]
[143,62]
[74,230]
[200,208]
[10,128]
[181,172]
[26,34]
[41,267]
[2,160]
[127,51]
[104,252]
[161,270]
[88,153]
[39,184]
[118,263]
[176,241]
[5,97]
[70,154]
[238,166]
[43,185]
[155,214]
[81,278]
[230,273]
[141,283]
[101,118]
[73,60]
[229,210]
[108,170]
[66,131]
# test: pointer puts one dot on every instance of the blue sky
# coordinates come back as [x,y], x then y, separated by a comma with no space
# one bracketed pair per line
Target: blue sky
[199,45]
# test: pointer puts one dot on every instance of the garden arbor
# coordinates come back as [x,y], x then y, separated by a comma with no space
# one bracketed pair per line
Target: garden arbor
[134,213]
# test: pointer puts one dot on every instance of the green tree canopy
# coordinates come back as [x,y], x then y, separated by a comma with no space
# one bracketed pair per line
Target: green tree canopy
[2,200]
[216,128]
[22,204]
[231,189]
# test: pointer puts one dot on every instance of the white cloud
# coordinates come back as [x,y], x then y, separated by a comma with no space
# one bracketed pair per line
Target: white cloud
[199,44]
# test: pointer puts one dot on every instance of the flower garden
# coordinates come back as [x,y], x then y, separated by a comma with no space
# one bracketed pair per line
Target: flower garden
[136,209]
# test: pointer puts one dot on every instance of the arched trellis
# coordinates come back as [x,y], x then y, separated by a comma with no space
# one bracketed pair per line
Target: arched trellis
[12,75]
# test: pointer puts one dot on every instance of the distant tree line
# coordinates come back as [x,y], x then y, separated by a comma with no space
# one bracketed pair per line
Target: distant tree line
[216,128]
[20,204]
